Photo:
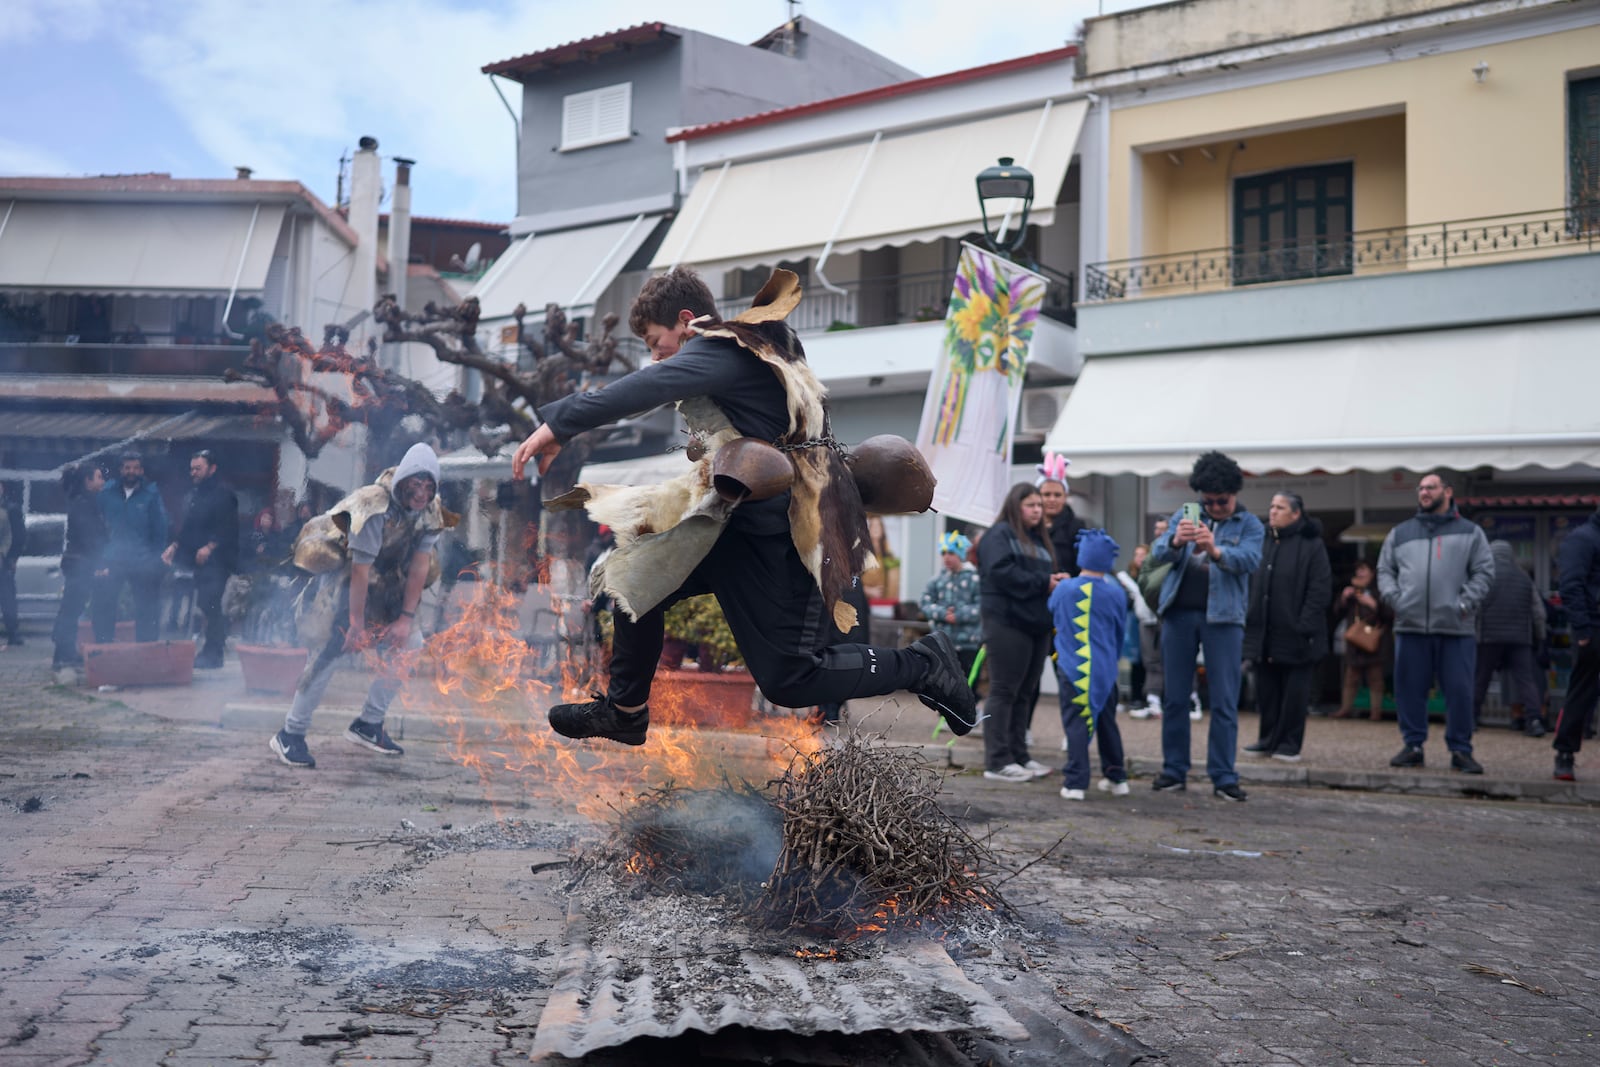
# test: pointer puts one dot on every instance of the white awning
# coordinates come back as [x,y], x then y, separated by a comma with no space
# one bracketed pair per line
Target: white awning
[570,268]
[137,248]
[899,189]
[1496,396]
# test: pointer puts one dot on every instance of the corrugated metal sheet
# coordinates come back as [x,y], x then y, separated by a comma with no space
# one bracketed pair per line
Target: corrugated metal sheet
[718,976]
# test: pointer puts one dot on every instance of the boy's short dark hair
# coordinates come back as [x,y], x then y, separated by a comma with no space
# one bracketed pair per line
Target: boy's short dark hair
[663,296]
[1216,473]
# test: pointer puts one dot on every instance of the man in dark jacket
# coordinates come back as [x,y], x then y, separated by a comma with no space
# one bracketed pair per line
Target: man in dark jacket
[136,531]
[80,559]
[208,541]
[1579,564]
[1286,631]
[1510,625]
[1434,571]
[17,528]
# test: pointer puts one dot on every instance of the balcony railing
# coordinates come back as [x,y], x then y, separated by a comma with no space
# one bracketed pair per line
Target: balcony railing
[40,357]
[1496,238]
[893,299]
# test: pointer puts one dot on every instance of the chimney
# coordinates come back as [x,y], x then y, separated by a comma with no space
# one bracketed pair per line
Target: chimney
[366,189]
[242,173]
[400,229]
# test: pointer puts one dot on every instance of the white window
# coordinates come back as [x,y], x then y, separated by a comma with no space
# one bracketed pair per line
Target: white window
[597,116]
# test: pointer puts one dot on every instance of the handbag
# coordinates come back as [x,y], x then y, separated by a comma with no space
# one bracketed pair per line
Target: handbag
[1365,636]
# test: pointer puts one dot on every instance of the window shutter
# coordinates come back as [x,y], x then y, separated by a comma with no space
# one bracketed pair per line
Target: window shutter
[597,116]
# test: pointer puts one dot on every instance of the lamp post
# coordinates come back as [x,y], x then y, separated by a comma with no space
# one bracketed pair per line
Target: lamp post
[1004,185]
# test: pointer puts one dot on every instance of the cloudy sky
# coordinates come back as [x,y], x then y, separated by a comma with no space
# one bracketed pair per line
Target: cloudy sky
[197,87]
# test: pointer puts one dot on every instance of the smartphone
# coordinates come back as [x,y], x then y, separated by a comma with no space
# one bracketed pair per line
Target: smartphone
[1191,511]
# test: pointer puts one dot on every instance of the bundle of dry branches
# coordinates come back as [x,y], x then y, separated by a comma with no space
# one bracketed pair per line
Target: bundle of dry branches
[852,844]
[865,847]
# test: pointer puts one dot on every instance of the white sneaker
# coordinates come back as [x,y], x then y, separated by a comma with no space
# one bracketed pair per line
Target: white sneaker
[1144,711]
[1195,710]
[1116,789]
[1071,794]
[1037,769]
[1009,773]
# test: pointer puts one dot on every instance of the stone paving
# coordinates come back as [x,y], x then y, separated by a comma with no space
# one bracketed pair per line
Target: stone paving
[170,893]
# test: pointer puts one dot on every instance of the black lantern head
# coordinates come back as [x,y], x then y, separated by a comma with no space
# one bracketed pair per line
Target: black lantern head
[1010,187]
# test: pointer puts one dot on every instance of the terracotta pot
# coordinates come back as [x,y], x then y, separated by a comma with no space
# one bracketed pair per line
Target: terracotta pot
[139,663]
[724,700]
[271,669]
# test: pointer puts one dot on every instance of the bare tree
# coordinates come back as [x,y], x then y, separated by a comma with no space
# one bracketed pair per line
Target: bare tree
[380,399]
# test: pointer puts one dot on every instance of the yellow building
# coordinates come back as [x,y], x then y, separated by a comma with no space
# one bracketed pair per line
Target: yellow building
[1345,242]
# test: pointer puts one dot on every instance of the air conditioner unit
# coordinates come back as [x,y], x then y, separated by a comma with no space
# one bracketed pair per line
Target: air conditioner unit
[1040,408]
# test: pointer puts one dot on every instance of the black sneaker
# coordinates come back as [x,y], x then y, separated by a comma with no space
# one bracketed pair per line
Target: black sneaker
[291,749]
[1231,791]
[372,735]
[1564,768]
[1535,728]
[1258,748]
[1165,783]
[600,718]
[945,688]
[1410,756]
[1463,762]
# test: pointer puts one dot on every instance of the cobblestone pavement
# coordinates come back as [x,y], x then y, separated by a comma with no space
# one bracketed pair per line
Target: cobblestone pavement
[169,894]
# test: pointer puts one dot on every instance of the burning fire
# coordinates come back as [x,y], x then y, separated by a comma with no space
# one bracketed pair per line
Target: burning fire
[493,687]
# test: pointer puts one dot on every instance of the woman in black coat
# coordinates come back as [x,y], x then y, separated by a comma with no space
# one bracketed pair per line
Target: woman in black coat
[1286,630]
[1016,574]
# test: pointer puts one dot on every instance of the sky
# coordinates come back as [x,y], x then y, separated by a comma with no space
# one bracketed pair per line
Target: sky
[194,88]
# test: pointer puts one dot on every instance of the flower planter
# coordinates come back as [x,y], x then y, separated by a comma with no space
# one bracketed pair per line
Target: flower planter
[271,669]
[724,700]
[123,635]
[139,663]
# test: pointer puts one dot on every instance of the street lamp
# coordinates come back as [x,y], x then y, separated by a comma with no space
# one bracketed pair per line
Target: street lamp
[1005,182]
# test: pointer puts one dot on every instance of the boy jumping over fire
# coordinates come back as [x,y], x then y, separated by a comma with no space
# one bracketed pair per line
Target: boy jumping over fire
[779,567]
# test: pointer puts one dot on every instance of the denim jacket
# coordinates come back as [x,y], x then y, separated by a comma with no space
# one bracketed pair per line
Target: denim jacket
[1239,538]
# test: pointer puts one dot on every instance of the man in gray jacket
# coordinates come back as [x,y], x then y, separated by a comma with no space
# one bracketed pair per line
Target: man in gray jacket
[1434,572]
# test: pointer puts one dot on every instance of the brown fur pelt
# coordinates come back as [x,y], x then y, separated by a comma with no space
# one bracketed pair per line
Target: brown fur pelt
[826,519]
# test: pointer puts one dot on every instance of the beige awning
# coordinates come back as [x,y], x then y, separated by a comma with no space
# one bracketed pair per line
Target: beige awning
[897,189]
[1491,396]
[137,248]
[570,268]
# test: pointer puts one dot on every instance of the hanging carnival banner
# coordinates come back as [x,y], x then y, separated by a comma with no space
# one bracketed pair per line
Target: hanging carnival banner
[969,415]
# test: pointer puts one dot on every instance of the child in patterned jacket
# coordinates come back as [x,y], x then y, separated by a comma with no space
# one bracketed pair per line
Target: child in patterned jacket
[1090,613]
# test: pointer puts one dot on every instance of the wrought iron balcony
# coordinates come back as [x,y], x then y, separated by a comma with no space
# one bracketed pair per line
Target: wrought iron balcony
[1497,238]
[893,299]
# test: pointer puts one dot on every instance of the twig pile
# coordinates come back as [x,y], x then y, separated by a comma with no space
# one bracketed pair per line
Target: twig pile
[866,848]
[708,841]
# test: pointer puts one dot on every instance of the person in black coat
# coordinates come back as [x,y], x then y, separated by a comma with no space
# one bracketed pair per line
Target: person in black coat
[80,559]
[1017,572]
[18,525]
[1286,629]
[208,539]
[1510,626]
[1578,563]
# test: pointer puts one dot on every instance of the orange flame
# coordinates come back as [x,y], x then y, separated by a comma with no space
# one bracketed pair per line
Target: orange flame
[492,686]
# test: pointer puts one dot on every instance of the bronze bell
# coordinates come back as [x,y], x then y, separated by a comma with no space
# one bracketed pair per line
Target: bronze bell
[891,475]
[748,468]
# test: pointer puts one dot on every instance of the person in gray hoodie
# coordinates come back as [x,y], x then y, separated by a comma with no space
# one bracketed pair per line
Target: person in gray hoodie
[1434,572]
[1510,626]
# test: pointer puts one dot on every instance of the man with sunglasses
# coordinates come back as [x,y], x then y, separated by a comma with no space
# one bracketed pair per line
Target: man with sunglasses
[208,541]
[1213,551]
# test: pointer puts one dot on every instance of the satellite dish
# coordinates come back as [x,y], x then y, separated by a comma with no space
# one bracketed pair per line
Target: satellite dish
[474,257]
